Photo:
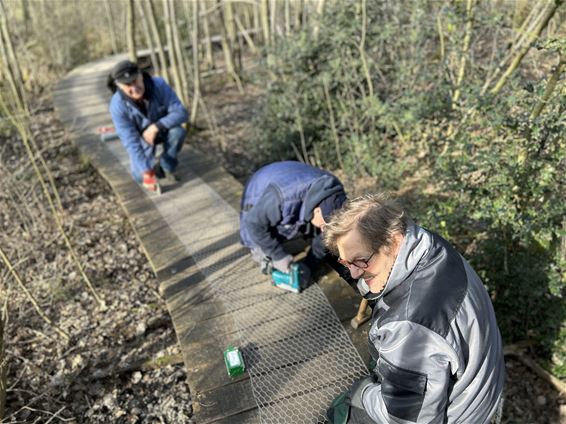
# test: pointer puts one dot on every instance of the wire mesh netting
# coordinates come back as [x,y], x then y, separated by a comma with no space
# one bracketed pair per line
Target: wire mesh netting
[297,354]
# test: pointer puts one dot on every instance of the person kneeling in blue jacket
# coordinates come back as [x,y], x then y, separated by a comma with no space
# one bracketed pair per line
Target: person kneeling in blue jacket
[147,112]
[287,200]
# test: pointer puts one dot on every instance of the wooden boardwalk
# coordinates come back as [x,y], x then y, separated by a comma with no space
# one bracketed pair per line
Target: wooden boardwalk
[297,350]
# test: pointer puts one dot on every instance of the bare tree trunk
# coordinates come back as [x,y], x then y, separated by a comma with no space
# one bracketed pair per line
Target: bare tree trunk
[246,36]
[521,36]
[299,121]
[110,21]
[287,18]
[7,74]
[209,57]
[148,38]
[228,55]
[550,86]
[12,64]
[170,48]
[233,38]
[264,13]
[440,36]
[150,11]
[306,13]
[333,124]
[247,19]
[362,47]
[26,15]
[196,70]
[298,5]
[319,11]
[256,20]
[520,12]
[131,31]
[272,20]
[546,15]
[178,52]
[3,362]
[465,50]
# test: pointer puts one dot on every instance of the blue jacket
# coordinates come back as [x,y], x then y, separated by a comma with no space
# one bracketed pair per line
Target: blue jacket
[278,204]
[164,109]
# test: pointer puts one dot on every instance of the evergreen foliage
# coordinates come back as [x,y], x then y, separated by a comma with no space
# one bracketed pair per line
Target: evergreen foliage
[493,169]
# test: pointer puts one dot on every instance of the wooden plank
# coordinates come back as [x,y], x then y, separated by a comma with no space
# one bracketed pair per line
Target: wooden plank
[223,183]
[248,417]
[204,360]
[223,402]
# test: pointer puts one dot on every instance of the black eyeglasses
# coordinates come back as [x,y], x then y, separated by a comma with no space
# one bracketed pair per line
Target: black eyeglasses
[358,263]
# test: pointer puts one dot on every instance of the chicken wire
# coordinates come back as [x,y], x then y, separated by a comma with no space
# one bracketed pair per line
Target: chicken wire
[297,354]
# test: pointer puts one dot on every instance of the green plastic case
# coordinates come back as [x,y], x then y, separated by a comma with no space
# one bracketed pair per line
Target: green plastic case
[234,361]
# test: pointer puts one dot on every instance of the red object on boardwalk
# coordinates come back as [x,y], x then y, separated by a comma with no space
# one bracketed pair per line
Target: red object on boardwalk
[107,133]
[105,130]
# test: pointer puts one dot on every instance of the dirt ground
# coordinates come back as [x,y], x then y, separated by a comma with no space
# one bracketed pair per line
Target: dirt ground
[121,364]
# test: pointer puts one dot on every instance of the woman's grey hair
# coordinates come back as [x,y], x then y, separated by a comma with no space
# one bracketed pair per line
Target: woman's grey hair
[377,217]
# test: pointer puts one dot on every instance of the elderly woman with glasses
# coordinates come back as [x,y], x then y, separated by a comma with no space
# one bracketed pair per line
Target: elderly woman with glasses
[433,335]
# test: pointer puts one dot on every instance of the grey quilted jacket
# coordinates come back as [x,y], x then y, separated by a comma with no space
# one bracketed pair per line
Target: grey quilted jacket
[434,336]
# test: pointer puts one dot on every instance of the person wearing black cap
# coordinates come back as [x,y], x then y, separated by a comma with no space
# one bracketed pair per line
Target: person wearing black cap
[285,200]
[147,112]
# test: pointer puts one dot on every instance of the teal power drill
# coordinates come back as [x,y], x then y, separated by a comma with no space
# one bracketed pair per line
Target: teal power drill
[289,281]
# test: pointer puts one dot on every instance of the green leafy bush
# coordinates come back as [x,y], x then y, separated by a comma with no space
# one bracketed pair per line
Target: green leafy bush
[494,174]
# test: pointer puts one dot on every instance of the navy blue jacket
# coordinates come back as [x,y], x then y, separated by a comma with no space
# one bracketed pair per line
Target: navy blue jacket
[164,109]
[278,204]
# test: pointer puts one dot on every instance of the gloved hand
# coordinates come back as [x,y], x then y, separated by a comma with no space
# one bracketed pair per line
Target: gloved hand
[283,264]
[357,390]
[305,275]
[266,265]
[150,181]
[339,411]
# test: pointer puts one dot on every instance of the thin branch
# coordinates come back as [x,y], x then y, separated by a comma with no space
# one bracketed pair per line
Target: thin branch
[550,86]
[545,17]
[465,48]
[31,298]
[332,124]
[361,47]
[24,134]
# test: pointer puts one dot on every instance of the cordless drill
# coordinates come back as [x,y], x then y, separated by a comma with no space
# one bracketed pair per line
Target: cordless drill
[289,281]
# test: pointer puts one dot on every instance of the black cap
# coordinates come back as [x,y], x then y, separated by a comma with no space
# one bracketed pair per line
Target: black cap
[125,72]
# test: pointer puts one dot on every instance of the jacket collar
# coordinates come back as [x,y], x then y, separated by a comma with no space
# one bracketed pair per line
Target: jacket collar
[414,247]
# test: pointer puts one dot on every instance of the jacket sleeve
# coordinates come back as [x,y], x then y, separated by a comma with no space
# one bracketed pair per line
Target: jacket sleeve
[415,366]
[129,136]
[265,215]
[176,113]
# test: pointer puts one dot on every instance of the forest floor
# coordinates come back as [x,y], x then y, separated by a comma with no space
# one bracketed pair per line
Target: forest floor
[122,364]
